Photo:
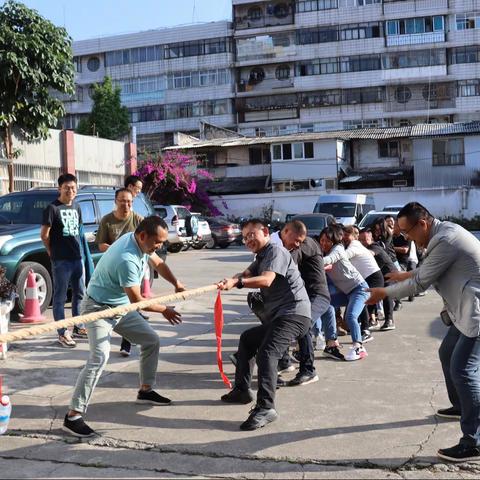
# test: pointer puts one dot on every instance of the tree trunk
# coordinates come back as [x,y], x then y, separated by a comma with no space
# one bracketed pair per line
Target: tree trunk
[9,152]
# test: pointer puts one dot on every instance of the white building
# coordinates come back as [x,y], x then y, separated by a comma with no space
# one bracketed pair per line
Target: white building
[169,78]
[316,65]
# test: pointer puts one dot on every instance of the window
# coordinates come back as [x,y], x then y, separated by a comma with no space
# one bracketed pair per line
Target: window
[300,150]
[388,149]
[403,94]
[88,212]
[416,58]
[105,206]
[411,26]
[282,72]
[448,152]
[468,54]
[277,152]
[468,88]
[77,62]
[466,21]
[255,14]
[308,148]
[436,91]
[93,64]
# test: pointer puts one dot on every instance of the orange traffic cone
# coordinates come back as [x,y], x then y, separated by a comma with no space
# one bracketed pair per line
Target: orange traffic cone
[146,291]
[32,305]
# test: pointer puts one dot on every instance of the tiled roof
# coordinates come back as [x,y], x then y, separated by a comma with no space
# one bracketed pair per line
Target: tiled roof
[414,131]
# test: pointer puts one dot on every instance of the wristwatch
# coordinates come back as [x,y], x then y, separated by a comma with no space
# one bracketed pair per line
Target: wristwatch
[240,283]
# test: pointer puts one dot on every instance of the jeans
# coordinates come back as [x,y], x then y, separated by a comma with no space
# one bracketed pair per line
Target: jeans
[320,308]
[460,357]
[355,303]
[67,272]
[267,342]
[131,326]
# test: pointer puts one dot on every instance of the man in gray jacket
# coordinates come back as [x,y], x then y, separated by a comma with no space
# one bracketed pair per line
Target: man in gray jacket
[452,265]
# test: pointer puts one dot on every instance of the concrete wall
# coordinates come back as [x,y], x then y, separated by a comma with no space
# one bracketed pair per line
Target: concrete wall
[441,202]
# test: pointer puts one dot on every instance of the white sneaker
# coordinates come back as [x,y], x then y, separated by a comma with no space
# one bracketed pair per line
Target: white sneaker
[319,342]
[66,340]
[356,353]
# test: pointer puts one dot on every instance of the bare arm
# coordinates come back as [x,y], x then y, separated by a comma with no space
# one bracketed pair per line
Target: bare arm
[45,236]
[401,250]
[134,295]
[261,281]
[164,271]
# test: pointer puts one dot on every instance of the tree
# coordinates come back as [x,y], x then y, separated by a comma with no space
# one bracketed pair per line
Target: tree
[108,118]
[35,61]
[174,179]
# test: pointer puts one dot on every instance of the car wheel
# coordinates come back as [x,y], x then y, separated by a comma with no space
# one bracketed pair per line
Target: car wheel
[43,281]
[175,247]
[223,245]
[211,243]
[198,245]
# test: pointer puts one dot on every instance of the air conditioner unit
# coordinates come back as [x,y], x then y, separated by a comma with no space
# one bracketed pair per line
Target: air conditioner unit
[330,183]
[399,183]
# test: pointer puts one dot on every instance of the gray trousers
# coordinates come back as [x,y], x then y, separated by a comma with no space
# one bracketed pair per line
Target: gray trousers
[131,326]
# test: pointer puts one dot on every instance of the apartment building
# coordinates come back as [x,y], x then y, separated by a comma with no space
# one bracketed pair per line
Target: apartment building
[316,65]
[169,79]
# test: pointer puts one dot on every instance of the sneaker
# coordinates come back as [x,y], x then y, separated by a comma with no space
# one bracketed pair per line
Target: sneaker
[77,427]
[421,294]
[398,305]
[366,336]
[333,352]
[303,379]
[289,368]
[318,342]
[387,325]
[234,358]
[151,398]
[460,453]
[281,382]
[450,412]
[80,332]
[258,418]
[66,340]
[356,353]
[296,355]
[238,396]
[125,348]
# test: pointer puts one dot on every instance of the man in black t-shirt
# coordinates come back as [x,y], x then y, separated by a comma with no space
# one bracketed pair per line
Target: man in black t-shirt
[60,233]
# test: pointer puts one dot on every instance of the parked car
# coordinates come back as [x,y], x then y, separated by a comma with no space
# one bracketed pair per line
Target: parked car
[21,248]
[315,222]
[392,208]
[204,234]
[182,226]
[371,217]
[347,208]
[224,232]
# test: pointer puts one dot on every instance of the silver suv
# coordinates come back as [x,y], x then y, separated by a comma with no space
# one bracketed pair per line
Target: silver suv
[182,226]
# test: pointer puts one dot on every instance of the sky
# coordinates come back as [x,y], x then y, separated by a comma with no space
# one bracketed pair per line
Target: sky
[96,18]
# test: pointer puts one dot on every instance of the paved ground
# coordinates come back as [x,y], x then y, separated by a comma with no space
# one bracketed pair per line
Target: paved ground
[367,419]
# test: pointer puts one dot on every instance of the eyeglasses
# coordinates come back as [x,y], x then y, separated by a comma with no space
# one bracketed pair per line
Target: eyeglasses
[249,236]
[406,232]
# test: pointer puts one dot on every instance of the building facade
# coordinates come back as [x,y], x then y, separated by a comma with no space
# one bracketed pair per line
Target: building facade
[169,79]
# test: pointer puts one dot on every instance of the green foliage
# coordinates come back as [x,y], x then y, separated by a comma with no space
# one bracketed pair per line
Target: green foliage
[108,118]
[35,60]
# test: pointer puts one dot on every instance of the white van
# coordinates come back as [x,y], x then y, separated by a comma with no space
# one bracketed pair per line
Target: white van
[347,209]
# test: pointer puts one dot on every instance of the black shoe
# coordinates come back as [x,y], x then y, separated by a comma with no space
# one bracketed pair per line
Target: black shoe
[234,358]
[125,348]
[333,352]
[366,336]
[451,412]
[411,298]
[398,306]
[258,418]
[77,427]
[303,379]
[281,382]
[387,325]
[151,398]
[296,355]
[460,453]
[238,396]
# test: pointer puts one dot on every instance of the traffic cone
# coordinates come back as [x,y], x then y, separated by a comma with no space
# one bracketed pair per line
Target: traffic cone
[32,312]
[146,291]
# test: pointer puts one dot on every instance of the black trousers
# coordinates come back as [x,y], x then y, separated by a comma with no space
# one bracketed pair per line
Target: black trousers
[375,280]
[267,343]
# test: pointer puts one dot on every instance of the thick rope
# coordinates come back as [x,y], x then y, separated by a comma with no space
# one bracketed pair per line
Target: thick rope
[107,313]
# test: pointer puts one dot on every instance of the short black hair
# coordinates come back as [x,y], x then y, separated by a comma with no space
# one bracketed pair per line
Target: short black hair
[253,221]
[150,225]
[66,177]
[120,190]
[389,216]
[132,180]
[334,233]
[297,226]
[414,212]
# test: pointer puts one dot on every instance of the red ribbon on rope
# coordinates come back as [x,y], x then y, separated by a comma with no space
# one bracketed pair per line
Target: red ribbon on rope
[218,317]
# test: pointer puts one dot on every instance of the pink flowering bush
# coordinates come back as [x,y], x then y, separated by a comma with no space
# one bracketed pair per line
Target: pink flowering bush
[172,178]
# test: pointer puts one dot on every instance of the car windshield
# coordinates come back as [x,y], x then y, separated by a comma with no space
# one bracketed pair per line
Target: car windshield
[24,209]
[336,209]
[313,223]
[369,219]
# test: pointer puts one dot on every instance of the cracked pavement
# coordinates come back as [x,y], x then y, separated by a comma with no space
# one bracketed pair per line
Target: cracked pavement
[367,419]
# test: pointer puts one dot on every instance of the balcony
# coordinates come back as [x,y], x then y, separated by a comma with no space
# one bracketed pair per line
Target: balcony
[415,39]
[414,73]
[263,15]
[400,7]
[265,47]
[267,85]
[240,171]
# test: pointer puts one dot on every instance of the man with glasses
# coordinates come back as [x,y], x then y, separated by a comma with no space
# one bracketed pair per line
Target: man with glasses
[452,265]
[287,309]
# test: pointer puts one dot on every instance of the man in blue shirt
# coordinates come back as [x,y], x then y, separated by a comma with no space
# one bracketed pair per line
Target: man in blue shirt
[116,281]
